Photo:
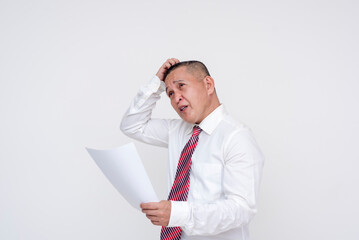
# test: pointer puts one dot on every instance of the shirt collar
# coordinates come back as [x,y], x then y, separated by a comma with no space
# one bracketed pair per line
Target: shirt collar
[211,121]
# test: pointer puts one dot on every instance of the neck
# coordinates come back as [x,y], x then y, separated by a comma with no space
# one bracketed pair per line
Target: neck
[213,104]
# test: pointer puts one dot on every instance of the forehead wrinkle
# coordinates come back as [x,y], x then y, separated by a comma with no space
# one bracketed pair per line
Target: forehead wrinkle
[179,80]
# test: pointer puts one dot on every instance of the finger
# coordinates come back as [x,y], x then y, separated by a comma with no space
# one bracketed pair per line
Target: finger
[175,60]
[169,61]
[149,206]
[150,212]
[152,217]
[155,220]
[157,223]
[172,61]
[167,65]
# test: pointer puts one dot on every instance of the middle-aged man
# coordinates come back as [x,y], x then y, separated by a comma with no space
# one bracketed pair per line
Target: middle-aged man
[215,164]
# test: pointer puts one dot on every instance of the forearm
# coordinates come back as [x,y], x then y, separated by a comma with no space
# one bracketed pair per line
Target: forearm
[137,122]
[210,218]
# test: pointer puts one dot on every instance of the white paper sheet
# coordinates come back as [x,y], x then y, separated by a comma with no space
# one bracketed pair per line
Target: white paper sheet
[123,167]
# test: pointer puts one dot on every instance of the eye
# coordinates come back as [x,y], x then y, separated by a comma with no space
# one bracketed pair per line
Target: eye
[181,84]
[170,93]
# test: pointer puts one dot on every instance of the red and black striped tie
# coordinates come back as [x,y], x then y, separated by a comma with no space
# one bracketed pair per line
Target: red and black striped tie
[180,187]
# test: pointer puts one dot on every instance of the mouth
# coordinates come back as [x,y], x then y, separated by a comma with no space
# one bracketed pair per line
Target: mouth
[183,108]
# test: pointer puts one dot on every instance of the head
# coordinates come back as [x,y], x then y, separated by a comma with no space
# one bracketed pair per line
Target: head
[191,91]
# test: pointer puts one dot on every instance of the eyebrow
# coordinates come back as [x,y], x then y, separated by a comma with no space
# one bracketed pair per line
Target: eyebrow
[180,80]
[176,81]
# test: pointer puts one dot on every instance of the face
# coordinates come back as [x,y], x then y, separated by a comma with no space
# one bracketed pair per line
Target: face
[190,96]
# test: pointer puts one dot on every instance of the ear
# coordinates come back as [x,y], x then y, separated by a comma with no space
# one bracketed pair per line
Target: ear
[209,83]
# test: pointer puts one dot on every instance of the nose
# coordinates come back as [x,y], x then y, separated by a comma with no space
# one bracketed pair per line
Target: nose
[178,97]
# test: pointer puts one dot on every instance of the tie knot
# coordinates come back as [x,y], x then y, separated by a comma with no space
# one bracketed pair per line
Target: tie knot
[196,130]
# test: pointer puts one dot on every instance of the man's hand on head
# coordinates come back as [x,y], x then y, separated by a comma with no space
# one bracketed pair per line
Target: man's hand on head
[163,69]
[158,212]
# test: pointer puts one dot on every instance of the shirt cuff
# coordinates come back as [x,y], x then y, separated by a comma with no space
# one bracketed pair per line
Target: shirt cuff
[156,85]
[179,214]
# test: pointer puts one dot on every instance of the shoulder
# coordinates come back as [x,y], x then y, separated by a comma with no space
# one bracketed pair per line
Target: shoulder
[230,127]
[239,139]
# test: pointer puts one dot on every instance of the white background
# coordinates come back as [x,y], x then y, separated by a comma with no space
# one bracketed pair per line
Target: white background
[69,69]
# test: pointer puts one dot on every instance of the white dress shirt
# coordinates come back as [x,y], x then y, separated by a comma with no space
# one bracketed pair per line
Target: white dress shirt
[226,167]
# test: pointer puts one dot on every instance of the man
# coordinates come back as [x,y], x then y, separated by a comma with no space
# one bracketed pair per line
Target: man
[215,164]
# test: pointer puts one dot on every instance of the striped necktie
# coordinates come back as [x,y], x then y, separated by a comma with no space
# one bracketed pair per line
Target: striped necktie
[180,187]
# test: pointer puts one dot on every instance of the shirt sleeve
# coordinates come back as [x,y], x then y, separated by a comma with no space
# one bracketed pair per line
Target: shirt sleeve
[137,122]
[243,162]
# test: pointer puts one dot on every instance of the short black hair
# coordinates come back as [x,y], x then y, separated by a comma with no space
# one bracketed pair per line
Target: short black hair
[191,66]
